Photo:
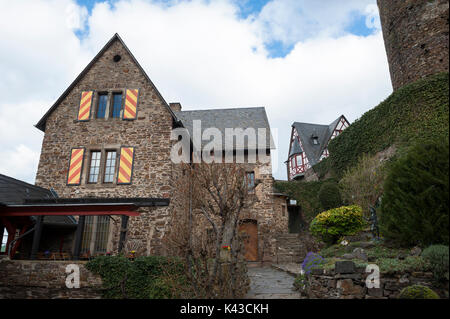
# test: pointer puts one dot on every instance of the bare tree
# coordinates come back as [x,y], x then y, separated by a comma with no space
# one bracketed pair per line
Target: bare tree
[204,227]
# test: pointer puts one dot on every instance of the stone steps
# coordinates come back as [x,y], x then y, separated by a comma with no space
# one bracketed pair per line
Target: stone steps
[289,248]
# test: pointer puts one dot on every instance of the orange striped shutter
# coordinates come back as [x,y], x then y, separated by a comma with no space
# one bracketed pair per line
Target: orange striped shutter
[131,100]
[125,165]
[75,166]
[85,105]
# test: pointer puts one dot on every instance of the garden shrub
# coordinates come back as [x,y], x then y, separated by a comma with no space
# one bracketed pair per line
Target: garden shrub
[363,184]
[418,292]
[337,222]
[312,261]
[415,203]
[149,277]
[330,196]
[437,257]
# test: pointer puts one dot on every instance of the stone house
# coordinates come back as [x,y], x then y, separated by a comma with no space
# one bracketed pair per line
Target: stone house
[106,153]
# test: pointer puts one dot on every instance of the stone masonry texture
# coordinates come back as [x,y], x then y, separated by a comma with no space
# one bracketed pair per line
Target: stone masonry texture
[153,174]
[416,38]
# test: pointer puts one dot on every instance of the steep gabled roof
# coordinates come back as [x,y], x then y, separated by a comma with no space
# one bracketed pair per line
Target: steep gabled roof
[42,122]
[249,117]
[323,133]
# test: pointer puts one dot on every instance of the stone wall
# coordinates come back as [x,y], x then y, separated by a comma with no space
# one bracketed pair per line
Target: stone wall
[416,38]
[44,280]
[347,281]
[149,134]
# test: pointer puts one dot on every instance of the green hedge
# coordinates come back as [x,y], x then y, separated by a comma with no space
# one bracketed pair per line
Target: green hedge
[415,203]
[151,277]
[418,111]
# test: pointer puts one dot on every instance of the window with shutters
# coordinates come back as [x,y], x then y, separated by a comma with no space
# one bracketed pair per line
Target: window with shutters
[116,105]
[110,166]
[102,104]
[94,168]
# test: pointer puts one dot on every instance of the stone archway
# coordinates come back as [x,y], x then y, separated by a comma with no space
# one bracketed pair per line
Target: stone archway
[248,229]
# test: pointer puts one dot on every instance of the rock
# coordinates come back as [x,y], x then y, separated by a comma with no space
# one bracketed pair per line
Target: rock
[367,244]
[415,251]
[360,254]
[375,292]
[344,267]
[348,288]
[349,256]
[404,279]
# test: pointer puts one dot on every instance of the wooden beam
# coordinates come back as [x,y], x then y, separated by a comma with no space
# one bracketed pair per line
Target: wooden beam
[69,210]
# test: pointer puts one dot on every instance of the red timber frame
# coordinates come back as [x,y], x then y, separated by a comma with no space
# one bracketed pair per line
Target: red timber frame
[340,126]
[13,217]
[297,163]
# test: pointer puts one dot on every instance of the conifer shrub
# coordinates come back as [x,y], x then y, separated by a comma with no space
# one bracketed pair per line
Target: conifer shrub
[415,203]
[330,196]
[337,222]
[418,292]
[437,257]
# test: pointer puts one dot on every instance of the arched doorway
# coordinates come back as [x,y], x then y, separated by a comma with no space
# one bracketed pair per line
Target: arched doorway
[248,230]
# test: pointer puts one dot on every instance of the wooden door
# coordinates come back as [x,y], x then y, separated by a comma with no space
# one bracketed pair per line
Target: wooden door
[248,229]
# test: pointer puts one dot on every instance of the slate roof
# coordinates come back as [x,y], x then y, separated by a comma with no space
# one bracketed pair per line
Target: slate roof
[250,117]
[16,192]
[306,131]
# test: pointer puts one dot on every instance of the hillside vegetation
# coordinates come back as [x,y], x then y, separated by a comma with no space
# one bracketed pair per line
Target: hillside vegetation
[415,112]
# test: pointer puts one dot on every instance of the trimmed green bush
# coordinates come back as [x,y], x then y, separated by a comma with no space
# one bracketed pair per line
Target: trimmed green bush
[415,112]
[418,292]
[150,277]
[415,204]
[335,223]
[437,257]
[330,196]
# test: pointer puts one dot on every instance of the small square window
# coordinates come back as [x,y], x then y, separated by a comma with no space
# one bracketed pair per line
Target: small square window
[250,178]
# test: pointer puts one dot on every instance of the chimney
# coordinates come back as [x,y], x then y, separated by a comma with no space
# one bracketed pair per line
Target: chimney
[176,107]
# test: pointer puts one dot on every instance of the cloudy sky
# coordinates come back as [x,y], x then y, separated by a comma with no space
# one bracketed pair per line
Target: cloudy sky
[304,60]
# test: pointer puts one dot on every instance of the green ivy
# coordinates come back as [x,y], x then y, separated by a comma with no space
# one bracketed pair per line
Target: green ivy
[415,112]
[150,277]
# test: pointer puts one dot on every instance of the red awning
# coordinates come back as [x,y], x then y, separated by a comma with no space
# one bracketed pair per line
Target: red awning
[69,210]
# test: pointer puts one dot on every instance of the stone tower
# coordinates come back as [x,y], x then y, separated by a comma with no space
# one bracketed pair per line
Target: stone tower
[416,38]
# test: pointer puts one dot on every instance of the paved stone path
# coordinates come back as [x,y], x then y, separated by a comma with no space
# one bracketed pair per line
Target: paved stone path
[269,283]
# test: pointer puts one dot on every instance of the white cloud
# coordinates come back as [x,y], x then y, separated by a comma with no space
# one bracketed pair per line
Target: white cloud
[290,21]
[199,53]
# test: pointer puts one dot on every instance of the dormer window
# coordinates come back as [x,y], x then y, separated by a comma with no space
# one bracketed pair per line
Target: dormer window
[315,140]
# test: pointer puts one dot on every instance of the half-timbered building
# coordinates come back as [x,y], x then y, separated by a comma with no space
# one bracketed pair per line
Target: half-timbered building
[309,145]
